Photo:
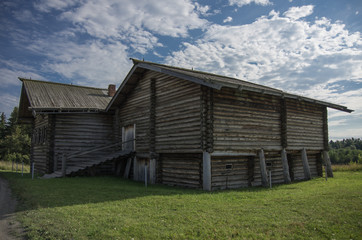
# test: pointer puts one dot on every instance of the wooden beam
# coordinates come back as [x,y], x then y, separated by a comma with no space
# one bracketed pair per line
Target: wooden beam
[264,174]
[283,125]
[291,166]
[152,117]
[206,163]
[233,154]
[251,166]
[327,163]
[64,165]
[127,169]
[306,168]
[152,171]
[285,166]
[325,129]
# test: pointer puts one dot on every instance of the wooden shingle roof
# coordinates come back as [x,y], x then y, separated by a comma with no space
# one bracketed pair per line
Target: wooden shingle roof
[207,79]
[50,97]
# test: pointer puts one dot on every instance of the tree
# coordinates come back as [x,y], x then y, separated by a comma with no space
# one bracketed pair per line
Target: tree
[15,139]
[2,126]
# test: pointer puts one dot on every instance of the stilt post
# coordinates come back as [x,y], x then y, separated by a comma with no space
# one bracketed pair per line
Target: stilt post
[285,166]
[306,168]
[264,174]
[64,165]
[328,164]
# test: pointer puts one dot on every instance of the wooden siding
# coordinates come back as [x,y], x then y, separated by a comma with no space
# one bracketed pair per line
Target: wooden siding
[229,172]
[273,161]
[178,118]
[245,121]
[40,151]
[296,165]
[181,169]
[136,110]
[304,125]
[80,132]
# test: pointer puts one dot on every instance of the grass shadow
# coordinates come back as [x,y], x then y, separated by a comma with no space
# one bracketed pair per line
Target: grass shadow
[49,193]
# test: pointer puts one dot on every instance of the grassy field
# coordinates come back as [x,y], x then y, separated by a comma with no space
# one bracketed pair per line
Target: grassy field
[347,167]
[8,166]
[113,208]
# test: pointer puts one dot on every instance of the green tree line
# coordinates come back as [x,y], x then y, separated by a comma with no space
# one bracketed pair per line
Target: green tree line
[15,138]
[346,151]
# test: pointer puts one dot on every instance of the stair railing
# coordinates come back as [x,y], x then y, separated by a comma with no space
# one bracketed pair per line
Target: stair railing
[66,157]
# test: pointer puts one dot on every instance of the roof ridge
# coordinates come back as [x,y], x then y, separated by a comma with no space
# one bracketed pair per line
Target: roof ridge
[202,72]
[58,83]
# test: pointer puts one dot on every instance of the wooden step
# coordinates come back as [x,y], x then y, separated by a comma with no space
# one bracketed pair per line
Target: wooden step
[83,165]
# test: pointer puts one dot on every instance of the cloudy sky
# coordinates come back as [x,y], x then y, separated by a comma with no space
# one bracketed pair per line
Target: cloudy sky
[311,48]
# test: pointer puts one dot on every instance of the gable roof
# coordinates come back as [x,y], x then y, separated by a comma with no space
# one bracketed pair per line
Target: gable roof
[50,97]
[203,78]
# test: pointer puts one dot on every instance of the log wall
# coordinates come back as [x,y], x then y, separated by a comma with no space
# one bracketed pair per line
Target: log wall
[181,169]
[304,125]
[80,132]
[229,172]
[245,120]
[178,118]
[41,142]
[136,110]
[296,165]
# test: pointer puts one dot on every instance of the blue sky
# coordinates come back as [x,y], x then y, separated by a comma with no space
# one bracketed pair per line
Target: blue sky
[310,48]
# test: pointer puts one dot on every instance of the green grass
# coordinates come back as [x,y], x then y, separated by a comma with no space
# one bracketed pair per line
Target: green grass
[5,165]
[113,208]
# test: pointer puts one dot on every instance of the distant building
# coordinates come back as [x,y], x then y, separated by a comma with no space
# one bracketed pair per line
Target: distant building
[178,127]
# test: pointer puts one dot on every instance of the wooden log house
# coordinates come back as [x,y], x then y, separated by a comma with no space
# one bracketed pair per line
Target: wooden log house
[68,121]
[199,130]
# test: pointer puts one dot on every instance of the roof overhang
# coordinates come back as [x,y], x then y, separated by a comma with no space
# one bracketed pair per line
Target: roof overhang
[140,66]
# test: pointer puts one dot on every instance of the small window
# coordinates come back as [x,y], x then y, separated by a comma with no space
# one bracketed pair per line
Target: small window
[228,166]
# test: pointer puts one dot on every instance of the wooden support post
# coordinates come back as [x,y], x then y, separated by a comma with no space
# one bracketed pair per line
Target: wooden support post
[152,171]
[55,167]
[206,163]
[251,166]
[327,163]
[285,166]
[135,169]
[306,168]
[264,174]
[146,170]
[128,167]
[32,170]
[64,165]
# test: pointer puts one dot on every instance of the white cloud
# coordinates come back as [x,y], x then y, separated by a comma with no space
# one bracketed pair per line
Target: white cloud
[10,71]
[8,102]
[286,52]
[109,18]
[228,19]
[277,51]
[93,63]
[295,13]
[25,16]
[241,3]
[49,5]
[114,30]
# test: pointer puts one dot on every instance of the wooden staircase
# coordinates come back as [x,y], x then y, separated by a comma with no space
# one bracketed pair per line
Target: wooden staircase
[82,165]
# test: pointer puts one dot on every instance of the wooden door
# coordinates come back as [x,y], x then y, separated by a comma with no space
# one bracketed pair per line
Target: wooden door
[128,137]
